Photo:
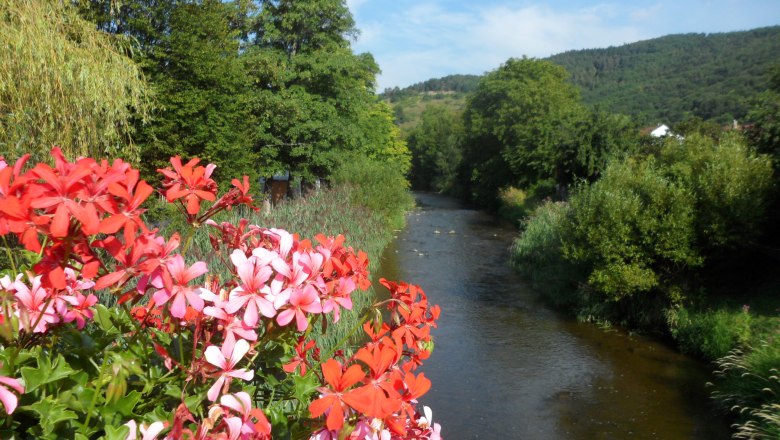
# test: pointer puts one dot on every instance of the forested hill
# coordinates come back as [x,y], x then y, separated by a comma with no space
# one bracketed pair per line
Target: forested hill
[449,83]
[712,76]
[708,75]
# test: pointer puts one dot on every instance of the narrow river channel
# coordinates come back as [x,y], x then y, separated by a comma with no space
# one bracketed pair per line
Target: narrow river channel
[507,367]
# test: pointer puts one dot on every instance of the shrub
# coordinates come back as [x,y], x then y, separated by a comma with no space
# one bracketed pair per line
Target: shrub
[537,254]
[376,186]
[731,185]
[634,227]
[710,334]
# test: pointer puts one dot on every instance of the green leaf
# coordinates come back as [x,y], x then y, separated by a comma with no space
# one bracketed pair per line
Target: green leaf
[46,372]
[104,321]
[116,432]
[51,413]
[126,404]
[304,387]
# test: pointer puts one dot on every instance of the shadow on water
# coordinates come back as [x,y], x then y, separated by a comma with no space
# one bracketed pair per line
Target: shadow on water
[506,366]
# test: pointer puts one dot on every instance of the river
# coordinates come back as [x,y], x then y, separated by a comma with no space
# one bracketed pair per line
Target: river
[505,366]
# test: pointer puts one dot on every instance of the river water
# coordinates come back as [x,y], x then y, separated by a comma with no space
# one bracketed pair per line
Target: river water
[507,367]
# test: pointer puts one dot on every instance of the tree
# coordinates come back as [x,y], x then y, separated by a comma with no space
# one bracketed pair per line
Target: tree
[516,122]
[313,96]
[295,26]
[63,82]
[202,89]
[436,148]
[764,134]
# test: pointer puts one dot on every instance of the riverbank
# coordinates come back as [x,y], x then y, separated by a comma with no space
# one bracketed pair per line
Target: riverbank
[729,318]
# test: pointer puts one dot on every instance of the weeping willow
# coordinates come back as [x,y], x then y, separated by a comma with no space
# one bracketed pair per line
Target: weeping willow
[65,83]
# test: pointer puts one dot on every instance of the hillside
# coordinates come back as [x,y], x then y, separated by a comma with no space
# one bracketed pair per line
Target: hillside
[708,75]
[712,76]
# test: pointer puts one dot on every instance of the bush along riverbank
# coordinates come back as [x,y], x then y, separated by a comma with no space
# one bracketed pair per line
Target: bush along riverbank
[662,243]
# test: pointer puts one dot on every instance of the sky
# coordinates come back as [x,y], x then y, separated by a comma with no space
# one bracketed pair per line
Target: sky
[414,40]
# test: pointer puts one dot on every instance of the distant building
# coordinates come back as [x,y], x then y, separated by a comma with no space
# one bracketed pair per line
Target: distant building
[663,131]
[660,131]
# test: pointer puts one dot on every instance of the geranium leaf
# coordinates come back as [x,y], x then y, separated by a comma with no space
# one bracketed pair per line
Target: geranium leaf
[46,372]
[51,413]
[304,387]
[116,432]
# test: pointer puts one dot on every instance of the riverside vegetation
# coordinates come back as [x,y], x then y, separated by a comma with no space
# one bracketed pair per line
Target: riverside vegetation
[671,236]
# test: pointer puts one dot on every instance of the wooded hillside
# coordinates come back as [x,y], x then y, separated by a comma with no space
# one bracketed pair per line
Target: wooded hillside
[712,76]
[663,79]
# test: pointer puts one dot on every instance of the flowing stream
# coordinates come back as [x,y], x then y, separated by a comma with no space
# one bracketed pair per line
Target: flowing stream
[507,367]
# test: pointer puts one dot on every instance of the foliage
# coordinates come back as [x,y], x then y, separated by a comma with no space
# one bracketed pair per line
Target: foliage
[202,90]
[62,82]
[382,139]
[172,355]
[258,87]
[710,334]
[764,133]
[634,226]
[664,79]
[538,254]
[648,221]
[516,124]
[748,384]
[435,144]
[731,184]
[379,188]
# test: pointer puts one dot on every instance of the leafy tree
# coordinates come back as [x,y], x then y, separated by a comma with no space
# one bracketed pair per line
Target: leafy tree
[764,134]
[295,26]
[202,89]
[516,123]
[436,149]
[314,99]
[63,82]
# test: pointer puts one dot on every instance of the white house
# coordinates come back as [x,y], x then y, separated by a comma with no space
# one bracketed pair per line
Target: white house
[660,131]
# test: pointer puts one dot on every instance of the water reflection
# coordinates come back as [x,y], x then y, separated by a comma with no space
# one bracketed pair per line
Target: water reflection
[505,366]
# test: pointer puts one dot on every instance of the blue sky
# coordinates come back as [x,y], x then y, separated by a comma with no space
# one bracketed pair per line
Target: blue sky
[414,40]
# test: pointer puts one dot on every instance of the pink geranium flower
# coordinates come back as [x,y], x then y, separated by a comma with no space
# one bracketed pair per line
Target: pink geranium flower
[226,359]
[301,300]
[8,398]
[254,275]
[35,309]
[175,286]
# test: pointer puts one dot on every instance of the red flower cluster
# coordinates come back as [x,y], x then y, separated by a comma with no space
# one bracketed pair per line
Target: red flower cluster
[376,390]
